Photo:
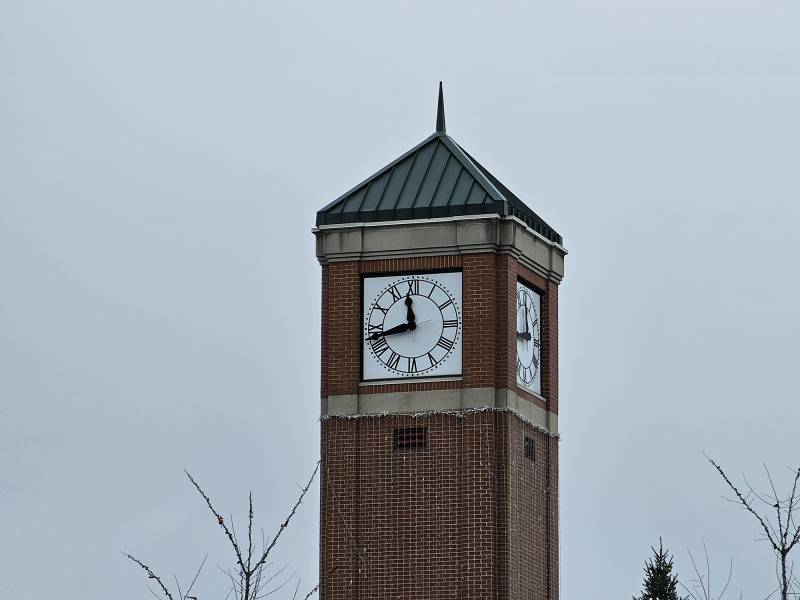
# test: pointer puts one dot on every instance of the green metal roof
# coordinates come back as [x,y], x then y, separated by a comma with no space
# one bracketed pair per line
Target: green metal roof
[436,178]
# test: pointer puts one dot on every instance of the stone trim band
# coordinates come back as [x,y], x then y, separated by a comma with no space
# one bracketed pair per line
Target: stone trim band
[428,401]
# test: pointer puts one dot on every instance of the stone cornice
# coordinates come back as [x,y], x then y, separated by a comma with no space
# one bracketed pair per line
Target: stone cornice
[436,237]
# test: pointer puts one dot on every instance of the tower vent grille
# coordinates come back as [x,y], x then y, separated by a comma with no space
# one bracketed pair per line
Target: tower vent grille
[410,438]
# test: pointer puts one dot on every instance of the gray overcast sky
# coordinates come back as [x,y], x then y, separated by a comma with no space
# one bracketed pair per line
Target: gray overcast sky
[160,168]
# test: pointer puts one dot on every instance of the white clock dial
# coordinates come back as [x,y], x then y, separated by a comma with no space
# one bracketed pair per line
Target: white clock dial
[412,326]
[529,341]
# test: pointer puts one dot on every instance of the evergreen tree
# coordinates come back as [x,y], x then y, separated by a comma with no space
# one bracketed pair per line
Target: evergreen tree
[659,582]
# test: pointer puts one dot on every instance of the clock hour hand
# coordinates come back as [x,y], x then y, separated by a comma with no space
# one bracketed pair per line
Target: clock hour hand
[402,328]
[525,335]
[410,317]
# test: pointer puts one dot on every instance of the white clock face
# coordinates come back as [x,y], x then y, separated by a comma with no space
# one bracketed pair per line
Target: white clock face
[412,326]
[529,341]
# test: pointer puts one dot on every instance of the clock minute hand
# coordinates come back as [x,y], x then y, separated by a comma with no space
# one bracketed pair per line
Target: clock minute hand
[402,328]
[525,335]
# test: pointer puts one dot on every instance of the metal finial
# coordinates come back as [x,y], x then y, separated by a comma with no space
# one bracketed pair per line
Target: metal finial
[440,112]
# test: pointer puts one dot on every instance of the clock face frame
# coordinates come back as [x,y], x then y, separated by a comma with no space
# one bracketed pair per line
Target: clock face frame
[430,345]
[529,339]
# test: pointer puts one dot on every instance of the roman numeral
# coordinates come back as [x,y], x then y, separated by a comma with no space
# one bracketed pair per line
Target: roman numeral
[446,304]
[535,361]
[450,323]
[375,328]
[413,287]
[433,360]
[379,346]
[445,343]
[394,359]
[537,343]
[380,308]
[412,365]
[395,293]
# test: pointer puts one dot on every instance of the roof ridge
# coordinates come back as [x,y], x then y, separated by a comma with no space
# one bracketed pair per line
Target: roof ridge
[472,167]
[510,196]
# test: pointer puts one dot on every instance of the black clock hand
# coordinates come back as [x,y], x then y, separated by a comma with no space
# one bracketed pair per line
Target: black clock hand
[402,328]
[525,335]
[410,317]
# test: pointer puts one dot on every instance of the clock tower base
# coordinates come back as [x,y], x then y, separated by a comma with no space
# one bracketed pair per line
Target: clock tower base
[452,504]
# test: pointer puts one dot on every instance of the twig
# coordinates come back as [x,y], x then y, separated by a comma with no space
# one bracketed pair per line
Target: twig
[150,574]
[745,503]
[249,580]
[196,575]
[220,521]
[283,525]
[782,537]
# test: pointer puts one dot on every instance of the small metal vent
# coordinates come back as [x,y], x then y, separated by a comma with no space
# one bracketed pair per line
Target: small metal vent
[530,449]
[410,438]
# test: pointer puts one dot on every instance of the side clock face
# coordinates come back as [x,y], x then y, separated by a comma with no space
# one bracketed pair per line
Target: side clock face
[529,344]
[412,326]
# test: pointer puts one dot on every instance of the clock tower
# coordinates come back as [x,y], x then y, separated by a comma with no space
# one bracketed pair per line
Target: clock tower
[439,385]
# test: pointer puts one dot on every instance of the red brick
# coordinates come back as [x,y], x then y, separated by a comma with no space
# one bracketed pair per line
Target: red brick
[470,516]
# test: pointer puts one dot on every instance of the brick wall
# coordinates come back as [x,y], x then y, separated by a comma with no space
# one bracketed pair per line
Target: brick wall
[464,518]
[469,516]
[533,512]
[341,291]
[489,333]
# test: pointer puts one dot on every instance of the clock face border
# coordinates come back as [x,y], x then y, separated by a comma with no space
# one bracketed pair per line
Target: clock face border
[448,321]
[528,352]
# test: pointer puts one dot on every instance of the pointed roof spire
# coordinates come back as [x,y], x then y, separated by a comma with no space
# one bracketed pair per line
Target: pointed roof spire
[440,112]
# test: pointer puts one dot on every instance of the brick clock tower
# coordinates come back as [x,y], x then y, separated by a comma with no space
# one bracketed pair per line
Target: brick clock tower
[439,475]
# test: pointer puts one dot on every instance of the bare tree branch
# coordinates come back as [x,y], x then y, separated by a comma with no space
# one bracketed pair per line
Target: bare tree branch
[196,575]
[220,521]
[743,501]
[178,585]
[782,530]
[314,590]
[150,575]
[250,531]
[703,588]
[248,581]
[285,524]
